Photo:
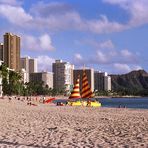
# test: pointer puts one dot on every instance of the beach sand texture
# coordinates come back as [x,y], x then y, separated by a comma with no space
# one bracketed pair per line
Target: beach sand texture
[66,127]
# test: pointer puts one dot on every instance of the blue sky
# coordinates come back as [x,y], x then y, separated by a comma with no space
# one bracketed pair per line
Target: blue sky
[108,35]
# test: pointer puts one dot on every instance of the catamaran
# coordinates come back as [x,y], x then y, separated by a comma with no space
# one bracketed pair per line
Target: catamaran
[85,97]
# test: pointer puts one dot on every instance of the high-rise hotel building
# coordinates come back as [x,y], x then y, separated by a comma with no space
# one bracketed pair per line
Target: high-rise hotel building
[33,65]
[11,51]
[102,81]
[28,66]
[1,51]
[63,75]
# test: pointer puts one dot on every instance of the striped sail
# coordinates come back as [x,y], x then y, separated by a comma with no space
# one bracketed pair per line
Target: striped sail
[86,90]
[75,94]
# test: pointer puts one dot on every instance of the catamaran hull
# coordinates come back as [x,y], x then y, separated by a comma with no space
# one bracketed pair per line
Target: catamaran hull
[84,103]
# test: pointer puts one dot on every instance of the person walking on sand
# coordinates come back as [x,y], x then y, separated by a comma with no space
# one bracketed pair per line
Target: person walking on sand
[43,99]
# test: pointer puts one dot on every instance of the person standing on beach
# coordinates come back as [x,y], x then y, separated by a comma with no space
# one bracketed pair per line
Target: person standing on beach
[43,100]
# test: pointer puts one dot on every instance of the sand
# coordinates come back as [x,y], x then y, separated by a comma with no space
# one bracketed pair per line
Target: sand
[66,127]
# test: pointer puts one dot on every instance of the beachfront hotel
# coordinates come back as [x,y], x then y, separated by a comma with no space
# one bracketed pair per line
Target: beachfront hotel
[102,81]
[11,51]
[28,66]
[1,88]
[107,82]
[63,75]
[1,51]
[33,65]
[90,76]
[45,77]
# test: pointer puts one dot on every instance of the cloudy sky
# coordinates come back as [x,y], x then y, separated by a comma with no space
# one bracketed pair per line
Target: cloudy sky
[108,35]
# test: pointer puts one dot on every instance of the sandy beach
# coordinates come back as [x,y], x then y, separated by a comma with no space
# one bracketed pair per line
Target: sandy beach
[66,127]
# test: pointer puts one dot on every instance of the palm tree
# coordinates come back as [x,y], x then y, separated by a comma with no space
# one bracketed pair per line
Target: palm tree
[4,73]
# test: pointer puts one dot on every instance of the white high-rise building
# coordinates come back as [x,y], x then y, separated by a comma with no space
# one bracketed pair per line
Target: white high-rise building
[102,81]
[25,63]
[28,66]
[107,82]
[25,76]
[63,75]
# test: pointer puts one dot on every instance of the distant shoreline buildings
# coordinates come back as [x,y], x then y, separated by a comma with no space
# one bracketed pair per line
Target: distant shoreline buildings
[63,75]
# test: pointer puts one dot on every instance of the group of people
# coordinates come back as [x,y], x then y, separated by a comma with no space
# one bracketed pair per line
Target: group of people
[28,99]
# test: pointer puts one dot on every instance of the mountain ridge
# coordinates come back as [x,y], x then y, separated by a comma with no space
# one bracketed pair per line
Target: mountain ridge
[134,81]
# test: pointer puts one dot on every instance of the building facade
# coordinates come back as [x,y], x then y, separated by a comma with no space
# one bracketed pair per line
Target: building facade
[11,51]
[63,75]
[25,63]
[45,77]
[25,76]
[102,81]
[99,80]
[28,66]
[33,66]
[1,51]
[90,76]
[107,83]
[1,87]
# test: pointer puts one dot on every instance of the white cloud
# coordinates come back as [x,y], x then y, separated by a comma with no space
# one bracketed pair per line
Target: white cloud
[101,57]
[11,2]
[78,56]
[44,17]
[137,10]
[124,68]
[15,15]
[126,53]
[108,44]
[103,25]
[137,67]
[51,16]
[106,54]
[41,43]
[45,63]
[45,42]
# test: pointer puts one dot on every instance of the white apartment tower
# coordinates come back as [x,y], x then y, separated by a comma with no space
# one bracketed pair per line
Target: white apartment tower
[107,82]
[102,81]
[63,75]
[25,64]
[28,66]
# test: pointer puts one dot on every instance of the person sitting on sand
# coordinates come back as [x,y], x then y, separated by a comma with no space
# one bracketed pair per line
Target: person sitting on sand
[88,103]
[9,99]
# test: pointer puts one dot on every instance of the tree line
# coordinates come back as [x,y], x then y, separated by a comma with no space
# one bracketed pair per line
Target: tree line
[12,84]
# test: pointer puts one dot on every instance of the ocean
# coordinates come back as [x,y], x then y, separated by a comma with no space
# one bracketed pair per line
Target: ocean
[137,103]
[141,103]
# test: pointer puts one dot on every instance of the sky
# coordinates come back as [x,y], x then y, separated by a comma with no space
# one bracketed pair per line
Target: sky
[107,35]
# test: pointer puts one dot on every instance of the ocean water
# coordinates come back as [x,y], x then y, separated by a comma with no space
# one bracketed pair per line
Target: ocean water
[139,103]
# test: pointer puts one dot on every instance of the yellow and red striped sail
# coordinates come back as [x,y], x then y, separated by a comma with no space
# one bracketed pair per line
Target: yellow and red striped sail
[86,90]
[75,94]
